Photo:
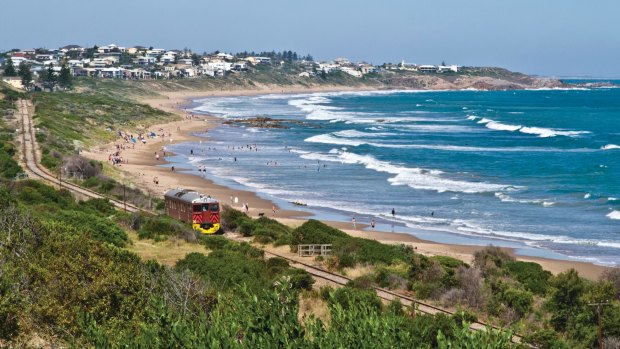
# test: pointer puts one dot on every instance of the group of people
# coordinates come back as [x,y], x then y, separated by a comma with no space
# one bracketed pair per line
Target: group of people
[373,222]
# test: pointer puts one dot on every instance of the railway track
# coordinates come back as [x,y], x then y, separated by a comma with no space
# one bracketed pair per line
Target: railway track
[31,160]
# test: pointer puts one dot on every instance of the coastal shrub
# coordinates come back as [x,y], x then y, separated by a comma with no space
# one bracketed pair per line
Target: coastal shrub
[230,218]
[102,206]
[100,229]
[226,269]
[214,242]
[491,259]
[246,228]
[349,297]
[277,264]
[530,274]
[519,300]
[299,279]
[545,338]
[612,275]
[160,204]
[32,192]
[363,282]
[387,279]
[8,166]
[315,232]
[566,298]
[158,227]
[427,327]
[463,317]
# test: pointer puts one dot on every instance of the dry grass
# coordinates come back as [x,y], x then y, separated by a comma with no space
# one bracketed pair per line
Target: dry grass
[165,252]
[310,303]
[359,270]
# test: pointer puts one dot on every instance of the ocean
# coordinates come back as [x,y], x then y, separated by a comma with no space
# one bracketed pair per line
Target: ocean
[535,170]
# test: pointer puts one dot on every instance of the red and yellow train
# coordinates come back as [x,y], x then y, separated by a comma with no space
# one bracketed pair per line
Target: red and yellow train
[192,207]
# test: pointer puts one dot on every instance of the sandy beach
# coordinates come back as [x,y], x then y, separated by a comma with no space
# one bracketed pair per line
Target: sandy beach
[155,176]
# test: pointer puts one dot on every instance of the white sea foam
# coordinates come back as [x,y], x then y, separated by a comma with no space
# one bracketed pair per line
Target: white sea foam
[360,134]
[614,215]
[471,117]
[549,132]
[469,227]
[330,139]
[334,139]
[539,131]
[494,125]
[611,198]
[587,196]
[610,146]
[507,198]
[419,178]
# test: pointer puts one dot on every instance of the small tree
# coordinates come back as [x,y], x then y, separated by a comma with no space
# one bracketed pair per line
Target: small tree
[50,78]
[195,59]
[25,73]
[9,68]
[64,78]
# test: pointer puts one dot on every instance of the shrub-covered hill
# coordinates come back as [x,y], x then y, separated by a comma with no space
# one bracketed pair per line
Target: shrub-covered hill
[66,280]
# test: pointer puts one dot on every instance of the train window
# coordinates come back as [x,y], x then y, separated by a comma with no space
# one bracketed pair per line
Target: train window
[205,207]
[196,208]
[214,208]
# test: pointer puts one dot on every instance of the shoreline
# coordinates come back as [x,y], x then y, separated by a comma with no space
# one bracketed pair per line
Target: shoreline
[143,166]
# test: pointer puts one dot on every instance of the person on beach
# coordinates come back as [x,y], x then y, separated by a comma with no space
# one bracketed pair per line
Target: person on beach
[273,209]
[157,156]
[231,200]
[236,200]
[393,213]
[172,168]
[191,152]
[353,222]
[372,224]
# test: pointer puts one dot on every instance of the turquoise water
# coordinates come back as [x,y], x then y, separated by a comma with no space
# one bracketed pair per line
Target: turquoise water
[537,170]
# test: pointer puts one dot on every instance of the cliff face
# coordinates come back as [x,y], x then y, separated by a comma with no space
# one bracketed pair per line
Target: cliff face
[481,79]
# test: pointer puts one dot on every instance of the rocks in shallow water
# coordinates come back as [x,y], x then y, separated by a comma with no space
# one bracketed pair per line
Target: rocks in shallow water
[264,122]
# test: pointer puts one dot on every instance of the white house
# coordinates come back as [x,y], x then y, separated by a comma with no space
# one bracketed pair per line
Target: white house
[18,60]
[240,65]
[351,71]
[146,60]
[427,68]
[452,68]
[223,55]
[186,61]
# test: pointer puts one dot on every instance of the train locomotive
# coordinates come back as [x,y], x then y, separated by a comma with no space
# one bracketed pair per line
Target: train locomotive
[202,211]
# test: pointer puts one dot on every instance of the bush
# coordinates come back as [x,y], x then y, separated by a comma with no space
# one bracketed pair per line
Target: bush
[230,218]
[99,205]
[490,259]
[214,242]
[247,228]
[612,275]
[300,279]
[531,275]
[519,300]
[157,227]
[362,282]
[348,297]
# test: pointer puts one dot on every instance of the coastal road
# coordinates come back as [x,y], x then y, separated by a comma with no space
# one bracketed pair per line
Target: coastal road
[30,157]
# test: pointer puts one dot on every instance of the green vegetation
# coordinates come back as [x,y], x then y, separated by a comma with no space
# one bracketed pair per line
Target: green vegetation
[64,280]
[496,288]
[69,121]
[8,166]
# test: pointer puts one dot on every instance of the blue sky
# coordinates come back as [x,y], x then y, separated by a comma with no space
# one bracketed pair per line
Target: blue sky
[545,37]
